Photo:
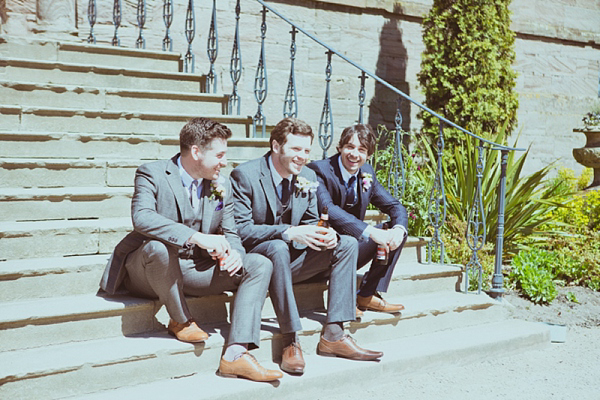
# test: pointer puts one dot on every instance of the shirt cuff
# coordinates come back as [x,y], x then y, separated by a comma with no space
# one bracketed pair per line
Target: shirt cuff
[366,234]
[401,227]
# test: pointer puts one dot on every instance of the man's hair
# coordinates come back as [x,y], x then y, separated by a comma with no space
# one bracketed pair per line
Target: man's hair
[289,126]
[366,137]
[200,132]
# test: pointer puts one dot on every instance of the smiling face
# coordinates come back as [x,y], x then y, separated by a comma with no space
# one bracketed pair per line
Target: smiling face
[289,158]
[353,154]
[206,163]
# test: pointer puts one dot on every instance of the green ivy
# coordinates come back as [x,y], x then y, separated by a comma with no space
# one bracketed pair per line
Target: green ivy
[466,71]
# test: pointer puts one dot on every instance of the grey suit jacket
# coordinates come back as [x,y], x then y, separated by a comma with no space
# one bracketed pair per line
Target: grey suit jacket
[332,193]
[255,203]
[161,210]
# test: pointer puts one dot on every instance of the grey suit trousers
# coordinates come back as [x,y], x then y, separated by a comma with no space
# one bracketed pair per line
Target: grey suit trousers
[291,265]
[155,270]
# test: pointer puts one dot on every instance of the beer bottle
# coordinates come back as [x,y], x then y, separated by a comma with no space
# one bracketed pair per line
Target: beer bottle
[324,222]
[382,256]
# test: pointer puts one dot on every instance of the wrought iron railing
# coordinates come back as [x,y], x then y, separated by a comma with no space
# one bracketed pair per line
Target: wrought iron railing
[476,225]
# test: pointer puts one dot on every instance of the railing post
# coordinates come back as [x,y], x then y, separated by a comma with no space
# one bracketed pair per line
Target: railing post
[497,290]
[326,123]
[437,203]
[362,94]
[290,105]
[117,7]
[92,9]
[260,80]
[140,43]
[212,50]
[398,161]
[475,233]
[190,32]
[168,20]
[235,65]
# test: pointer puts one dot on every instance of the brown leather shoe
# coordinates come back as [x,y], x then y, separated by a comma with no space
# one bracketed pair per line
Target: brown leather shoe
[247,367]
[376,303]
[292,361]
[188,332]
[359,312]
[346,347]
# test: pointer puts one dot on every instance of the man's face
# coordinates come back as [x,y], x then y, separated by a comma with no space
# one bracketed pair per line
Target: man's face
[292,156]
[353,155]
[209,161]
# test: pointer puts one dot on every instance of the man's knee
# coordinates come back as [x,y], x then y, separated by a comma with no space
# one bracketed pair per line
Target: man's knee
[273,248]
[348,244]
[156,251]
[258,265]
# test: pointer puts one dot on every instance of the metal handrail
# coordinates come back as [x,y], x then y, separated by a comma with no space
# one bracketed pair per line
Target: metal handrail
[494,145]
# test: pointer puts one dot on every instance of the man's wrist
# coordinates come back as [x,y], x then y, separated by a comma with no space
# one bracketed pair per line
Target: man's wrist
[401,227]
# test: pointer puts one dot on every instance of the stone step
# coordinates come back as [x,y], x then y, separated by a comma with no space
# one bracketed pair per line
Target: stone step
[324,376]
[98,54]
[124,355]
[80,74]
[38,204]
[16,144]
[31,278]
[40,119]
[52,321]
[34,94]
[21,240]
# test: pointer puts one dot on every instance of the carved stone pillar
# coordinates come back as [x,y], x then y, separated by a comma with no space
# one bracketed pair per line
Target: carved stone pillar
[56,17]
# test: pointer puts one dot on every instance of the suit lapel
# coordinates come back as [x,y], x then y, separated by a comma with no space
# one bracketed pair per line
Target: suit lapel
[337,176]
[181,197]
[266,181]
[364,195]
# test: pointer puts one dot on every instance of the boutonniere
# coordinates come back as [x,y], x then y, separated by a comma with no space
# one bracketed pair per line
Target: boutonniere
[217,192]
[367,180]
[304,186]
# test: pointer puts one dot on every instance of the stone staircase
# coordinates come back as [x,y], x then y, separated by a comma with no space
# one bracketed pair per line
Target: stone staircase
[75,122]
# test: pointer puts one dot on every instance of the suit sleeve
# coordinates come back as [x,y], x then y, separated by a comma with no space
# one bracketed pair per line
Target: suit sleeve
[228,222]
[145,217]
[342,221]
[389,205]
[243,195]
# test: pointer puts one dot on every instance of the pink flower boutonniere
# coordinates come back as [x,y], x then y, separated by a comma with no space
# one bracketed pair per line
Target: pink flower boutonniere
[217,192]
[304,186]
[367,181]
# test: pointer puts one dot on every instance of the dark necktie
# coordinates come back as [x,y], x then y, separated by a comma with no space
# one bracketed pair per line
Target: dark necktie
[350,193]
[285,191]
[194,195]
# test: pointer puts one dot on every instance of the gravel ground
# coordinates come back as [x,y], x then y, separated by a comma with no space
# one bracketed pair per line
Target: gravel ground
[569,370]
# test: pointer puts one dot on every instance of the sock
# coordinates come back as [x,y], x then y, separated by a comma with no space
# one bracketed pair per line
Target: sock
[333,331]
[234,351]
[288,338]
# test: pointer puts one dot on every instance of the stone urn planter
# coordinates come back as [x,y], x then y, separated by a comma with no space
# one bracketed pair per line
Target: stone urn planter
[589,155]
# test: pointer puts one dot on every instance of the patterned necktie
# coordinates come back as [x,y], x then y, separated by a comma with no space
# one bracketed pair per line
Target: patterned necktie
[285,191]
[194,195]
[350,192]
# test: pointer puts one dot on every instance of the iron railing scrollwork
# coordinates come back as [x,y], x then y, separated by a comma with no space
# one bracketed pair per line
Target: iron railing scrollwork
[326,122]
[362,94]
[167,44]
[437,203]
[475,233]
[235,65]
[212,50]
[290,103]
[92,11]
[260,80]
[140,42]
[397,175]
[117,15]
[189,64]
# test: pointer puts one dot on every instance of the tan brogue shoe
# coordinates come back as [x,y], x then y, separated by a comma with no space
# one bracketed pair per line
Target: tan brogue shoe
[247,367]
[359,312]
[292,360]
[346,347]
[376,303]
[188,332]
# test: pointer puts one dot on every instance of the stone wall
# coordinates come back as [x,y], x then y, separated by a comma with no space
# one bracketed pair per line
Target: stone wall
[558,56]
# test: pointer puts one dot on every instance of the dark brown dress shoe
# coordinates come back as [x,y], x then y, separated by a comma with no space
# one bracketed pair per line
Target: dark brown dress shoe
[346,347]
[376,303]
[292,361]
[247,367]
[188,332]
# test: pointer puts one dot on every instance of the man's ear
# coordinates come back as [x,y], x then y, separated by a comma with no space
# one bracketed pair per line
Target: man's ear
[275,147]
[195,152]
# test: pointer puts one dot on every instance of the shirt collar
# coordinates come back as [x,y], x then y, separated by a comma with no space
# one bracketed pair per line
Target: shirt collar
[186,178]
[275,175]
[345,174]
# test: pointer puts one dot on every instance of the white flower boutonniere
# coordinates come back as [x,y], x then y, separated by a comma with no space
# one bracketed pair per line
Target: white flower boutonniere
[304,186]
[367,180]
[217,192]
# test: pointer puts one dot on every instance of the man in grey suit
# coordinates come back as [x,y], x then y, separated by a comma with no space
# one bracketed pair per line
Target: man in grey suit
[276,215]
[185,243]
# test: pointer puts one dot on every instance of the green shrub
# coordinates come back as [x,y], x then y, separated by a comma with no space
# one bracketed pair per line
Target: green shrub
[466,68]
[531,273]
